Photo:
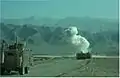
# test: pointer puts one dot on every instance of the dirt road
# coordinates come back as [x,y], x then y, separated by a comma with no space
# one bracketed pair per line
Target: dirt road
[71,67]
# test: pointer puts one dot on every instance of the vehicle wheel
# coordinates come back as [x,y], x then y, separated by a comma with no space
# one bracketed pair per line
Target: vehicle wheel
[2,70]
[8,71]
[21,71]
[88,55]
[26,70]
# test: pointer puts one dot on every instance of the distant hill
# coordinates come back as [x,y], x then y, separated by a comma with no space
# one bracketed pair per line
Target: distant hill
[31,20]
[101,33]
[90,24]
[84,23]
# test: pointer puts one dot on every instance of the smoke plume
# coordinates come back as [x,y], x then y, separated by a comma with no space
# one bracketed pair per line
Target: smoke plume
[80,43]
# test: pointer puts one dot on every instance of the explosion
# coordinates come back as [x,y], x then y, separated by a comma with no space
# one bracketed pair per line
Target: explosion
[80,43]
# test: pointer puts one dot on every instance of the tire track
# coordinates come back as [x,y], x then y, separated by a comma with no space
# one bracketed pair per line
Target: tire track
[74,69]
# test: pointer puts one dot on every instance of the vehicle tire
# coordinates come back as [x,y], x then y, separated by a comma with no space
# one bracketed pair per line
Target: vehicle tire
[8,71]
[79,56]
[26,70]
[2,71]
[89,55]
[21,71]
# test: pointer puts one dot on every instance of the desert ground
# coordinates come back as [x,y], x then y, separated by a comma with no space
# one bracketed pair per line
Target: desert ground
[70,67]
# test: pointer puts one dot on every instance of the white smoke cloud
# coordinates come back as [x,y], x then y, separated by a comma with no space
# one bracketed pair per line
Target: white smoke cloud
[62,40]
[77,41]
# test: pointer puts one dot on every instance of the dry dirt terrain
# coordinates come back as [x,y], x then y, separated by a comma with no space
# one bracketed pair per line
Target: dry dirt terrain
[69,67]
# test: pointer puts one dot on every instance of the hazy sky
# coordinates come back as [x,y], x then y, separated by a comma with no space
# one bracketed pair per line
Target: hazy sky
[59,8]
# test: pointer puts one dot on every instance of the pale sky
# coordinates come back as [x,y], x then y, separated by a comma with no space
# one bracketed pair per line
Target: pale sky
[59,8]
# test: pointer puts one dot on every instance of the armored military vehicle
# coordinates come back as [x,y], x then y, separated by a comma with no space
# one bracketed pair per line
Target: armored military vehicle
[83,55]
[15,57]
